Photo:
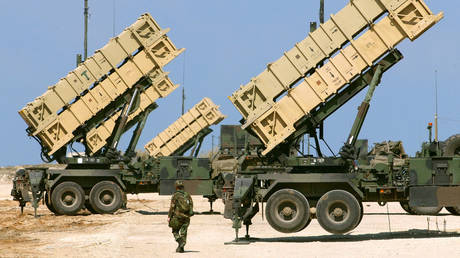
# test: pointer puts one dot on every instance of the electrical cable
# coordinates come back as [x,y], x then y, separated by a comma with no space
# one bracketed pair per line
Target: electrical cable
[329,148]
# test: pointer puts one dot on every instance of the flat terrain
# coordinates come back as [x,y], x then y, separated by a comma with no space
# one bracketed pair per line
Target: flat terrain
[142,231]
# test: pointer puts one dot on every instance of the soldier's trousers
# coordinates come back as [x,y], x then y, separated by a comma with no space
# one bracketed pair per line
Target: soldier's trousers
[179,230]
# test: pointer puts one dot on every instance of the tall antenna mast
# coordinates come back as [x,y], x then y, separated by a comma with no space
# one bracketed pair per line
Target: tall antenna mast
[85,43]
[436,106]
[183,86]
[113,21]
[321,11]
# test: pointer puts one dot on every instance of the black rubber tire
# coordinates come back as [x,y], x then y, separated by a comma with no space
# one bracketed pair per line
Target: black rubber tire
[346,207]
[453,210]
[406,208]
[361,214]
[67,198]
[106,197]
[306,224]
[48,203]
[90,208]
[295,209]
[430,211]
[452,146]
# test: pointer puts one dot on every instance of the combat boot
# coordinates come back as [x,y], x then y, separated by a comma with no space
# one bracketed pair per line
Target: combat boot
[180,247]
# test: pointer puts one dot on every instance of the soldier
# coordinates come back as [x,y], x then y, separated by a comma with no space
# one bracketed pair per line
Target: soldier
[179,215]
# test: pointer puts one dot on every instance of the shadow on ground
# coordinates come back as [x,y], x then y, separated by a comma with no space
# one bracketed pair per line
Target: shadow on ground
[405,214]
[142,212]
[413,233]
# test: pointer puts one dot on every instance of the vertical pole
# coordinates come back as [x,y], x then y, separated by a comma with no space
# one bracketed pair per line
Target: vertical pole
[85,43]
[436,103]
[113,20]
[183,99]
[312,26]
[183,86]
[212,148]
[321,11]
[78,59]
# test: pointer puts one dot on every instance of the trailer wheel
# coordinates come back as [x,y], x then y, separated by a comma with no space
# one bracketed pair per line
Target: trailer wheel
[67,198]
[406,207]
[90,208]
[338,211]
[431,211]
[48,204]
[306,224]
[453,210]
[106,197]
[287,211]
[361,214]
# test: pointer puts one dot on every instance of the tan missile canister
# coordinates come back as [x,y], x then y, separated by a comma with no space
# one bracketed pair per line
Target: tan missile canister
[199,117]
[256,97]
[140,51]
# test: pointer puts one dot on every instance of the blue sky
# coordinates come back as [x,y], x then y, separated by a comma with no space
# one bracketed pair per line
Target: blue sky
[228,43]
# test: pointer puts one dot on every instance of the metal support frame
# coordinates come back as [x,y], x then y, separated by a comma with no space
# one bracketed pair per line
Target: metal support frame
[364,107]
[131,150]
[128,108]
[194,144]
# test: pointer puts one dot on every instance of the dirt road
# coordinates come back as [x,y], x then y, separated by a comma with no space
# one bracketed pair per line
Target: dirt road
[141,231]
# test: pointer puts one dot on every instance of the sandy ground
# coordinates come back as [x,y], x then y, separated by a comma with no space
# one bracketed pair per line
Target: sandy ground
[142,231]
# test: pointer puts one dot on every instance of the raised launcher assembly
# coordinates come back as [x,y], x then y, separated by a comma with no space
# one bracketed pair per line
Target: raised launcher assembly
[351,42]
[85,105]
[187,131]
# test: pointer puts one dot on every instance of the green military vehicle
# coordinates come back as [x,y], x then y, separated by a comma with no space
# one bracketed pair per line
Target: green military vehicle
[296,93]
[94,105]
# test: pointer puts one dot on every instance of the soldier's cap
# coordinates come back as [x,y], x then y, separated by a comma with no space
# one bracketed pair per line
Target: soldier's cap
[179,184]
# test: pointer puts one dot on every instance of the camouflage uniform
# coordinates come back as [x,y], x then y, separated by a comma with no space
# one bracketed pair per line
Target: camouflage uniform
[178,220]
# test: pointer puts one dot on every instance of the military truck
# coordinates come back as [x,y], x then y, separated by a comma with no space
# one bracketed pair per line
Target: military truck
[94,105]
[296,93]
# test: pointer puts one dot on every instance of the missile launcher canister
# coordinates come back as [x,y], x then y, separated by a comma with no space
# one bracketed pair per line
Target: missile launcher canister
[84,105]
[348,44]
[178,135]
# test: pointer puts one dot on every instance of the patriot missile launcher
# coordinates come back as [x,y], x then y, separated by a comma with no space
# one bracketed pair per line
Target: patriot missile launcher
[95,104]
[296,93]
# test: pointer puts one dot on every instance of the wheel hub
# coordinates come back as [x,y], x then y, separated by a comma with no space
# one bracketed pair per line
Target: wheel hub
[68,198]
[338,212]
[106,197]
[287,211]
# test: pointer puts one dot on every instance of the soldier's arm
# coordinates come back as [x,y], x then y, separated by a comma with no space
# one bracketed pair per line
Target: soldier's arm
[172,207]
[191,204]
